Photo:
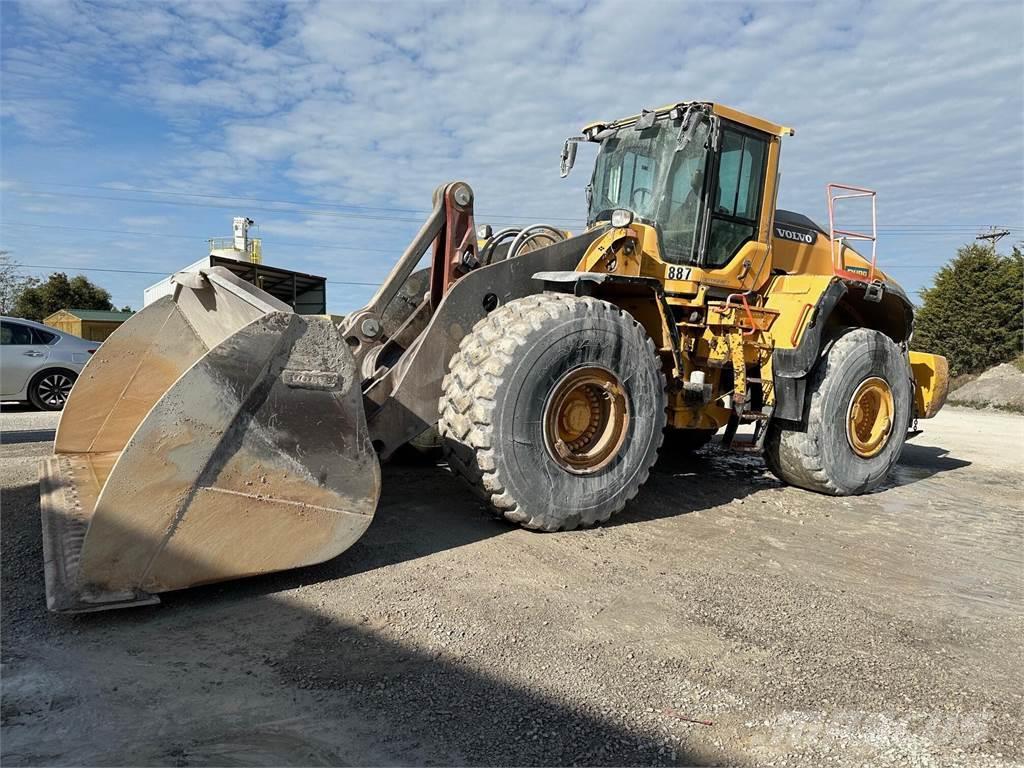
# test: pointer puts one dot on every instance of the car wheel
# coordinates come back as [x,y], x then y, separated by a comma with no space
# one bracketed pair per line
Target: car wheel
[49,390]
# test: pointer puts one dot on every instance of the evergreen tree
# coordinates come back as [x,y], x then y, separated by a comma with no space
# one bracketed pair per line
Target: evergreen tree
[973,313]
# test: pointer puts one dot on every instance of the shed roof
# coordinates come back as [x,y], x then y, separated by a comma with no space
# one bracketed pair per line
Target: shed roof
[98,315]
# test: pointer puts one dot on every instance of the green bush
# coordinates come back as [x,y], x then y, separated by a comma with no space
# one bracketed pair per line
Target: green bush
[58,292]
[972,314]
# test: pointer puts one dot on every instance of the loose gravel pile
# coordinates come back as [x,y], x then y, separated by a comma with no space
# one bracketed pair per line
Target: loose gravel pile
[998,387]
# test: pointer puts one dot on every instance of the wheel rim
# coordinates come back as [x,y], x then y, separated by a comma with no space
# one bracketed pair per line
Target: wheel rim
[53,389]
[870,417]
[586,418]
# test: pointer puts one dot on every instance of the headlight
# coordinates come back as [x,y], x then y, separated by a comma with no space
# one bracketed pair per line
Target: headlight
[621,218]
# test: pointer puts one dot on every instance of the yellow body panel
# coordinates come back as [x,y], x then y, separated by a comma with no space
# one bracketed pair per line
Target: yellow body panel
[781,306]
[719,109]
[794,298]
[728,319]
[816,258]
[931,383]
[754,122]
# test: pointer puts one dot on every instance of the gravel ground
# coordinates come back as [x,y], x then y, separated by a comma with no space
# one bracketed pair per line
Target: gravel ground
[797,629]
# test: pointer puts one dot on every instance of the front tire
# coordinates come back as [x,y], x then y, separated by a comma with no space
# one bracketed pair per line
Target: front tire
[49,390]
[553,410]
[856,419]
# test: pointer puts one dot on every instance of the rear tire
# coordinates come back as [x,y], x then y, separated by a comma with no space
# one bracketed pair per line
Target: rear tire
[820,456]
[509,379]
[49,390]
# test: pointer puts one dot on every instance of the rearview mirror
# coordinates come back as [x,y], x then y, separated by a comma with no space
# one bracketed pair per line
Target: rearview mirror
[568,156]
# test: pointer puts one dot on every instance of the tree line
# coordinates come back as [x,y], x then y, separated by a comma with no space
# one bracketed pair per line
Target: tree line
[35,299]
[972,314]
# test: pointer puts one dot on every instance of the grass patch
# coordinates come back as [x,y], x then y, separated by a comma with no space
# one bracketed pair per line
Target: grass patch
[977,406]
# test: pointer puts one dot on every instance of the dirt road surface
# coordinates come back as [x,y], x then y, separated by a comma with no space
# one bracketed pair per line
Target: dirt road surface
[800,629]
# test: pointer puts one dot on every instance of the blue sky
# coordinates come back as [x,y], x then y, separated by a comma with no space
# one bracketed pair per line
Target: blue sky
[132,131]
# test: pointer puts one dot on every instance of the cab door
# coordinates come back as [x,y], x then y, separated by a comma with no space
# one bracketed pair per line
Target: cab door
[736,248]
[21,355]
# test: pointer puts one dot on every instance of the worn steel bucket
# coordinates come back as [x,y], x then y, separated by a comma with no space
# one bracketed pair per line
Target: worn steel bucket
[216,434]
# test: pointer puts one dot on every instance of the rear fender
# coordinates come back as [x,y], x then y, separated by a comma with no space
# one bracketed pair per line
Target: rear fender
[843,303]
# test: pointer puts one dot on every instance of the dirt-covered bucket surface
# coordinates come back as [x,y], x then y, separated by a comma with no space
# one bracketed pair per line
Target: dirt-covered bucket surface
[722,619]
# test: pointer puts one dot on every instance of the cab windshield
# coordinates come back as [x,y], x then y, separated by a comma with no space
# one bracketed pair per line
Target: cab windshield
[658,174]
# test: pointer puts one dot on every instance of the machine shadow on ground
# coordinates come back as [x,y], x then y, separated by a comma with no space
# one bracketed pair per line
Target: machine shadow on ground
[230,675]
[424,509]
[922,461]
[14,436]
[10,406]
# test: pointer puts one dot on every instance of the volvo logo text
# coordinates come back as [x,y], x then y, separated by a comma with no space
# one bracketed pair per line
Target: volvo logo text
[796,235]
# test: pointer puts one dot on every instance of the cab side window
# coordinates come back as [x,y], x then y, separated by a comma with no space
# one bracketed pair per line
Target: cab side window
[737,199]
[15,334]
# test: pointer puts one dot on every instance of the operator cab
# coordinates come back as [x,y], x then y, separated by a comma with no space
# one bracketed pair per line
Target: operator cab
[696,172]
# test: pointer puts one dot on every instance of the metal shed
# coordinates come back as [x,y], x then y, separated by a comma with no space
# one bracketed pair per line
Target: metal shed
[306,294]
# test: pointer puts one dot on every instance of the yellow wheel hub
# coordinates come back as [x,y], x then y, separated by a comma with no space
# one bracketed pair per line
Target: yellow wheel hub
[870,419]
[586,419]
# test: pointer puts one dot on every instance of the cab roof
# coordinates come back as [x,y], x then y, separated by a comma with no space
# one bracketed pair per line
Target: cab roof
[721,110]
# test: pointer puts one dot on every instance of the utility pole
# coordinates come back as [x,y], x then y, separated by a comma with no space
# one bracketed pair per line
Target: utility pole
[993,236]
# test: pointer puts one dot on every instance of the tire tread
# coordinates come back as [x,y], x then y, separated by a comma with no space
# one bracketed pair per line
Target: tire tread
[469,391]
[795,455]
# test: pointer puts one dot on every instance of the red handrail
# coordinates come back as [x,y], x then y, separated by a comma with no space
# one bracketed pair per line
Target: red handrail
[746,306]
[836,235]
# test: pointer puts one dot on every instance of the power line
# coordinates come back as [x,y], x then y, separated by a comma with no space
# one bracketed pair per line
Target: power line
[342,247]
[222,196]
[161,236]
[235,206]
[304,212]
[278,242]
[76,268]
[353,211]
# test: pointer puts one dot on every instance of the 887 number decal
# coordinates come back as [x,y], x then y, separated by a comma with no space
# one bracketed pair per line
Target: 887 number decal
[678,273]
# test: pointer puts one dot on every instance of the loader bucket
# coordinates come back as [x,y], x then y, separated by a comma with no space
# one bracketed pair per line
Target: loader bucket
[216,434]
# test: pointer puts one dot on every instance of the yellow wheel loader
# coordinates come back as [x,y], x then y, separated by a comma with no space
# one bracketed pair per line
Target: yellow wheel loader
[218,434]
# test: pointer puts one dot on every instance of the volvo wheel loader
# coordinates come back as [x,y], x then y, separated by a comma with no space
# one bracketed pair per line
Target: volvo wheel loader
[217,434]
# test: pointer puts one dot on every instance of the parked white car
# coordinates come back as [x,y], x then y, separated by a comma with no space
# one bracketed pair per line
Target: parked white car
[39,364]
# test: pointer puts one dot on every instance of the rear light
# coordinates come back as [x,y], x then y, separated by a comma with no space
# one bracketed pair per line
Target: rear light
[90,351]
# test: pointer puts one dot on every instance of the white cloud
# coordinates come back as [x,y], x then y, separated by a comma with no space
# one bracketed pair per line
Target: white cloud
[375,104]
